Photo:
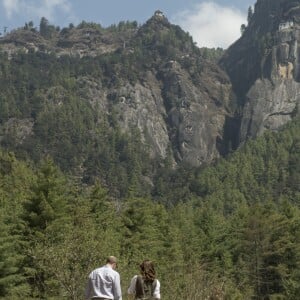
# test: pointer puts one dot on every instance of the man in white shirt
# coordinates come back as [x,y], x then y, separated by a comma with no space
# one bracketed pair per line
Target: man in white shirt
[104,282]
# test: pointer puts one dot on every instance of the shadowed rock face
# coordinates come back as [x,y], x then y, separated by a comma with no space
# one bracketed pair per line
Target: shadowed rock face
[264,67]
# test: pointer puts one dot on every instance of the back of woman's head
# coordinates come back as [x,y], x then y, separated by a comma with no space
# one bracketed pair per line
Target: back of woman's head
[147,270]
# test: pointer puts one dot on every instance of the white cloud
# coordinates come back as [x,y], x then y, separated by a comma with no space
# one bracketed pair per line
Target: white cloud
[49,7]
[211,25]
[37,8]
[11,7]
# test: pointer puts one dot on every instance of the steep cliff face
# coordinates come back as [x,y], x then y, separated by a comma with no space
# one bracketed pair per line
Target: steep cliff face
[151,78]
[264,67]
[141,106]
[179,100]
[196,112]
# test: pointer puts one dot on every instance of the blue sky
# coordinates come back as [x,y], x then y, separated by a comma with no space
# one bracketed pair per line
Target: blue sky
[212,23]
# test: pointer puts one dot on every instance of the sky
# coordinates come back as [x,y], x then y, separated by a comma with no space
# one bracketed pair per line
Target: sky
[211,23]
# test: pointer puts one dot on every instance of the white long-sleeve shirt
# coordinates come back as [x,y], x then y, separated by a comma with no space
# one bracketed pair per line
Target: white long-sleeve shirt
[131,289]
[104,282]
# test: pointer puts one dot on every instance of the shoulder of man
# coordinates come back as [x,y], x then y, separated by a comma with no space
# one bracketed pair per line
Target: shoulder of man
[98,269]
[116,273]
[94,273]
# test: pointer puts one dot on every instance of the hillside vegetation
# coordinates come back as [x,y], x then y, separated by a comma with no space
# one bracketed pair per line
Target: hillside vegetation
[113,114]
[125,141]
[232,228]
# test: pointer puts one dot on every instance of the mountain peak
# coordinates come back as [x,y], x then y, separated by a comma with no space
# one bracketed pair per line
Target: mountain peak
[159,20]
[159,14]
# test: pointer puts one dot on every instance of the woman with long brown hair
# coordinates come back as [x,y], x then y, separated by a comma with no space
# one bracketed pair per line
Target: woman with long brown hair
[145,285]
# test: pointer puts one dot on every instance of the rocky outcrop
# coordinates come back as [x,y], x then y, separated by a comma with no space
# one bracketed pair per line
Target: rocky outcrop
[19,129]
[196,113]
[264,67]
[272,101]
[170,111]
[178,100]
[269,106]
[155,79]
[140,106]
[81,42]
[174,109]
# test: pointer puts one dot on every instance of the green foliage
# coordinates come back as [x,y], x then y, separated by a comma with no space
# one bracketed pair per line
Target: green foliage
[167,43]
[212,54]
[123,26]
[230,229]
[143,234]
[259,171]
[80,138]
[46,107]
[46,30]
[84,241]
[90,25]
[16,179]
[48,200]
[250,14]
[12,279]
[243,28]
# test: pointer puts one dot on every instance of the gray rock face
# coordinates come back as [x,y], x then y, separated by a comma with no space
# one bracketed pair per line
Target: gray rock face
[272,102]
[178,102]
[268,89]
[20,129]
[141,107]
[170,112]
[269,106]
[196,120]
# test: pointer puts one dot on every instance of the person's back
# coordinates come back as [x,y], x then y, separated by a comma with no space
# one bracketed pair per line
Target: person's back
[104,282]
[145,286]
[145,289]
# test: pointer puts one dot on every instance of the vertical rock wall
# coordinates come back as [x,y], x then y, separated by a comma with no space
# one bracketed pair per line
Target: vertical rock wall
[264,66]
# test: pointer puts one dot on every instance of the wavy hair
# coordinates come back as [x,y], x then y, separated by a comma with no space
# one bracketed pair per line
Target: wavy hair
[148,270]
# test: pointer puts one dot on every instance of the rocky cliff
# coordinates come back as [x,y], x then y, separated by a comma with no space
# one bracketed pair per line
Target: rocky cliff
[150,77]
[264,67]
[153,78]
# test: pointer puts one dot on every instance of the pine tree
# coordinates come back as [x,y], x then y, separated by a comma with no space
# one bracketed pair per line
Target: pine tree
[15,178]
[12,280]
[44,210]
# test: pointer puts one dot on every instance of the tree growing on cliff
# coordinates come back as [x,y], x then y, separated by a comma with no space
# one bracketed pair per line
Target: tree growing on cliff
[250,14]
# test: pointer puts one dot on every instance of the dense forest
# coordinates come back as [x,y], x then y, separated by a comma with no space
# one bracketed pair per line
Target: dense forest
[75,187]
[231,229]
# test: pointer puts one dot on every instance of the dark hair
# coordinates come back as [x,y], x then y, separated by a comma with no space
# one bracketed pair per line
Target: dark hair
[147,270]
